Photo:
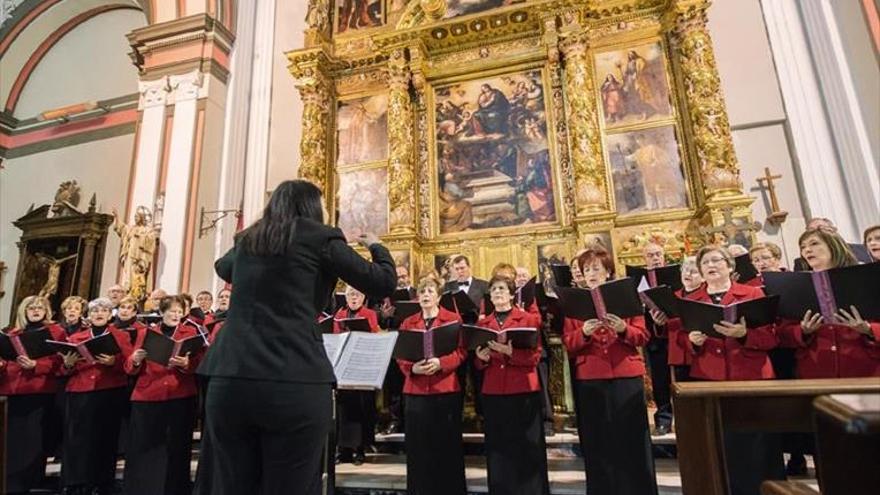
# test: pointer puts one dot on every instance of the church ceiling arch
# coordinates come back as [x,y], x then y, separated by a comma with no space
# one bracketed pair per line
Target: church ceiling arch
[35,26]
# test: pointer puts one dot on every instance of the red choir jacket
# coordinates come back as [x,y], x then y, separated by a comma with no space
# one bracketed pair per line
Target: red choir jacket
[606,354]
[833,351]
[730,358]
[15,380]
[444,381]
[157,383]
[517,373]
[679,349]
[85,377]
[364,312]
[532,310]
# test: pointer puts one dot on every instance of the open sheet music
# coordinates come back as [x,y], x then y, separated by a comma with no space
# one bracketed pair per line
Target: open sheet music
[360,359]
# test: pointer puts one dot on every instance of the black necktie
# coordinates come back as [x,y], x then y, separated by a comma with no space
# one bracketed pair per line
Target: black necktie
[463,284]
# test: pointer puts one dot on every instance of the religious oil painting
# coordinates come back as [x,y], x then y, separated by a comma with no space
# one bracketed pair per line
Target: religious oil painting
[633,85]
[455,8]
[492,152]
[647,170]
[443,266]
[362,126]
[557,253]
[352,15]
[363,202]
[401,258]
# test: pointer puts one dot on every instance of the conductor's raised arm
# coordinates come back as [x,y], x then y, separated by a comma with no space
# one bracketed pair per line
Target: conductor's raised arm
[377,279]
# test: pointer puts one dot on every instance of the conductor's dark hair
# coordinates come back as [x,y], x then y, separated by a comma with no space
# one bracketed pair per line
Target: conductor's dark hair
[275,232]
[458,259]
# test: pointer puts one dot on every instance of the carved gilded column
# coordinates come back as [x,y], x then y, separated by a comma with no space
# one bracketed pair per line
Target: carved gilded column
[314,87]
[590,184]
[401,154]
[706,120]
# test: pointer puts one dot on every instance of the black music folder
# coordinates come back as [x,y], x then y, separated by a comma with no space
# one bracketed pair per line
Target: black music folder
[160,349]
[459,302]
[417,345]
[526,294]
[699,316]
[91,348]
[403,310]
[401,295]
[32,344]
[562,276]
[353,325]
[745,268]
[618,297]
[669,275]
[325,323]
[519,338]
[827,291]
[660,298]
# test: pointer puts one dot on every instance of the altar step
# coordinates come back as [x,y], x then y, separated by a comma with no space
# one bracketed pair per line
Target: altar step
[564,438]
[385,474]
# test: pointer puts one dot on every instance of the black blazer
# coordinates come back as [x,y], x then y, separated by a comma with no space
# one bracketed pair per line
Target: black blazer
[859,250]
[270,331]
[477,290]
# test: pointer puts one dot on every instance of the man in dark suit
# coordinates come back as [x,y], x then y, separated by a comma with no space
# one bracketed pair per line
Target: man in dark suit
[476,289]
[859,250]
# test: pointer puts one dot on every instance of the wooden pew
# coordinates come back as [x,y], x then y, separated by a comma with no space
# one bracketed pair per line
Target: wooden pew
[848,443]
[704,409]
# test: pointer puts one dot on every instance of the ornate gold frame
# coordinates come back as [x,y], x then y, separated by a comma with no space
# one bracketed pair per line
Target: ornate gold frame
[552,148]
[418,51]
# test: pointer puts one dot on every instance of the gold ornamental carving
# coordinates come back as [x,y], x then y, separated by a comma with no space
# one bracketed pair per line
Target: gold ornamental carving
[401,187]
[591,191]
[706,113]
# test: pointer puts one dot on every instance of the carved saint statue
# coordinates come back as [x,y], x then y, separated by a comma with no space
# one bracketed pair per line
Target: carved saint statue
[137,251]
[318,15]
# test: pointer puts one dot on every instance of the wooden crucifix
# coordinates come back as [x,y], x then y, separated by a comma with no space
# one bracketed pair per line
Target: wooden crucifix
[776,216]
[729,227]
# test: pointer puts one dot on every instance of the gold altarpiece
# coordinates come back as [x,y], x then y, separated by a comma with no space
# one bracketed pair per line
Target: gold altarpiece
[518,133]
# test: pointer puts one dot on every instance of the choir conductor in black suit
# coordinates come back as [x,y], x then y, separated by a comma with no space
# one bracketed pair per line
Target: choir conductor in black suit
[268,405]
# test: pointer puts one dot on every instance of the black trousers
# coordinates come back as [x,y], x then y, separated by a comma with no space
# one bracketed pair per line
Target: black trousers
[91,435]
[434,452]
[661,379]
[355,418]
[392,393]
[516,455]
[751,458]
[266,438]
[614,436]
[160,447]
[544,380]
[27,439]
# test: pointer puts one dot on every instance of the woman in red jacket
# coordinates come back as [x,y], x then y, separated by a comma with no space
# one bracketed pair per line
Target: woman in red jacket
[848,346]
[741,355]
[680,356]
[516,455]
[29,386]
[433,402]
[355,409]
[96,399]
[609,392]
[162,411]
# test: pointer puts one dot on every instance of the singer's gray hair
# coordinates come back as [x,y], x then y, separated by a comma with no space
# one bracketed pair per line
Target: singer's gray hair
[101,302]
